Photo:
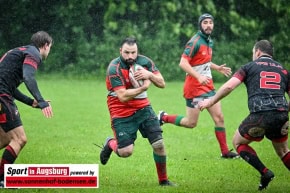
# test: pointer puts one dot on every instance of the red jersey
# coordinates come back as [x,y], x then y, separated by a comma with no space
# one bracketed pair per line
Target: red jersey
[198,52]
[118,77]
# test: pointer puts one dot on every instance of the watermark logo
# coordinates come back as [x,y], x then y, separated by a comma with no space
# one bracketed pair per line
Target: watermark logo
[51,176]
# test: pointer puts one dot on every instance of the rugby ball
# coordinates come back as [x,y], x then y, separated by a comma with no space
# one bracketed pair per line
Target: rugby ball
[132,70]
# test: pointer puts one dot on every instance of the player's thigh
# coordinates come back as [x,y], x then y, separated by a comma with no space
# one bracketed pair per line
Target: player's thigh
[4,138]
[17,133]
[149,125]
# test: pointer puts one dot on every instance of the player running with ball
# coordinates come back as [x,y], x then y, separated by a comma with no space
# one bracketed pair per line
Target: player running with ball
[130,109]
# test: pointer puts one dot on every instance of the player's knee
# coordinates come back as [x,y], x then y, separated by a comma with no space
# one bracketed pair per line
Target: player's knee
[125,152]
[282,150]
[192,125]
[219,119]
[159,144]
[189,125]
[20,140]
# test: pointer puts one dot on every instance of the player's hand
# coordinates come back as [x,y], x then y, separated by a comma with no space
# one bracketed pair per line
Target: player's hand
[35,103]
[47,111]
[203,80]
[225,70]
[204,104]
[142,74]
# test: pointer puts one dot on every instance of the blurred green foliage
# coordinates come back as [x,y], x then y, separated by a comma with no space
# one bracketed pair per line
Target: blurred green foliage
[87,33]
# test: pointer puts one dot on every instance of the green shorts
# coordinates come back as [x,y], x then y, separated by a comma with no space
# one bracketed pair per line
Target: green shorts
[144,120]
[193,103]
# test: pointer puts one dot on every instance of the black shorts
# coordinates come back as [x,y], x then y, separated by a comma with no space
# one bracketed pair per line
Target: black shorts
[9,115]
[272,124]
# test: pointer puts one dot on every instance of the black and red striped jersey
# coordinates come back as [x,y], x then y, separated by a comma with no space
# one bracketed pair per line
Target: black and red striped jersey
[267,81]
[11,67]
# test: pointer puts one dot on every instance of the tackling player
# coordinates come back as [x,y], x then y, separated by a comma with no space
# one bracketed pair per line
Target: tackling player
[16,66]
[266,81]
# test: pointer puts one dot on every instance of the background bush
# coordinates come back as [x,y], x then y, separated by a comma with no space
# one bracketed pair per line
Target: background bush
[87,33]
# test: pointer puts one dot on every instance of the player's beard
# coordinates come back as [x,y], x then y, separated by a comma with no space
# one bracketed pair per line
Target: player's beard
[207,31]
[130,61]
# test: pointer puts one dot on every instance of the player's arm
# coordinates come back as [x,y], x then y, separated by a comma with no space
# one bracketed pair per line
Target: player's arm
[156,78]
[221,69]
[223,91]
[18,95]
[186,67]
[31,85]
[125,95]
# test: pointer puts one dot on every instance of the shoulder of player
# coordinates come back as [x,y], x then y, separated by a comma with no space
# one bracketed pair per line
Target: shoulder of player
[32,50]
[144,60]
[197,41]
[115,66]
[23,51]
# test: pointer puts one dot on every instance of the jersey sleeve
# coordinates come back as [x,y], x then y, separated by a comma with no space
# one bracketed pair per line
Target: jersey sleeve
[31,84]
[30,60]
[190,49]
[115,77]
[22,98]
[240,74]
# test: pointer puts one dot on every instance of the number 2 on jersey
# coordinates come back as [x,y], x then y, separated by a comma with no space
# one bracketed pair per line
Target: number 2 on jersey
[270,80]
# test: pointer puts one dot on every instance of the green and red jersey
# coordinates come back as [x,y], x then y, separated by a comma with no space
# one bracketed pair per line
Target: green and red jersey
[118,77]
[198,53]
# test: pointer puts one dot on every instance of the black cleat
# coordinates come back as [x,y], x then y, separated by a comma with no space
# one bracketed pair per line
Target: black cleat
[106,152]
[160,115]
[166,183]
[230,155]
[266,179]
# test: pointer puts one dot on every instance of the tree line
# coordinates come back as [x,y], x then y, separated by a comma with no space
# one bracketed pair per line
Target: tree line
[87,33]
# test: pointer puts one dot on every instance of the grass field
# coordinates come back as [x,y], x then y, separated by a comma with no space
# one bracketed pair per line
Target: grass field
[81,118]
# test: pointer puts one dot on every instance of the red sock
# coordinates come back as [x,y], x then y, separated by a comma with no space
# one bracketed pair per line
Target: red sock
[160,162]
[286,160]
[250,156]
[8,157]
[113,145]
[246,148]
[220,134]
[169,118]
[173,119]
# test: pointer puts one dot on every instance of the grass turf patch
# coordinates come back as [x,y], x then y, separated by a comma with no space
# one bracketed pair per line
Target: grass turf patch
[81,118]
